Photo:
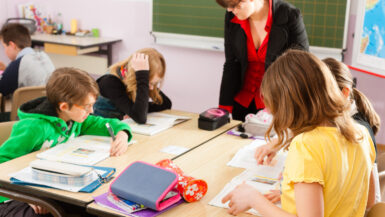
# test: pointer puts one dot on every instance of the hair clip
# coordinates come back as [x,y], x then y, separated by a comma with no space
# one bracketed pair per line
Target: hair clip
[123,71]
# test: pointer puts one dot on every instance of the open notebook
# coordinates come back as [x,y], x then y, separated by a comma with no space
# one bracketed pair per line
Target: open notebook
[156,122]
[82,150]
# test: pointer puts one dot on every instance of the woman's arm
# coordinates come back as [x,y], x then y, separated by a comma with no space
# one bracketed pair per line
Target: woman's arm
[230,69]
[297,32]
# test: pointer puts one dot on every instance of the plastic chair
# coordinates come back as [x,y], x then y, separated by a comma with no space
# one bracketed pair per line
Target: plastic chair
[378,210]
[25,94]
[5,130]
[2,103]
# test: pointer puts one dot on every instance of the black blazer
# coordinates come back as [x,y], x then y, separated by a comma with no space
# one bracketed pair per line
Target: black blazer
[287,31]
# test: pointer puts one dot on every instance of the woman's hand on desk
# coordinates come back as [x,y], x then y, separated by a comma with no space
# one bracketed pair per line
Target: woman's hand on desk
[120,144]
[140,62]
[39,209]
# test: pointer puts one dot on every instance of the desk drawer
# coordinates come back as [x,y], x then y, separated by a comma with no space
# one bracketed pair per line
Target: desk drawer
[68,50]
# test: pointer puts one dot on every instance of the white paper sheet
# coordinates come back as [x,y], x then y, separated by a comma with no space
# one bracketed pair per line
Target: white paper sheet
[245,176]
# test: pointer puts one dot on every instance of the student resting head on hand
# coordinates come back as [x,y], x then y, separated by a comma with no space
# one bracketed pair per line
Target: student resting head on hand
[133,87]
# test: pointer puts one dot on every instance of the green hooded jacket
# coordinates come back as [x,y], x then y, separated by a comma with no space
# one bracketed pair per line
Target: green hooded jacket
[40,128]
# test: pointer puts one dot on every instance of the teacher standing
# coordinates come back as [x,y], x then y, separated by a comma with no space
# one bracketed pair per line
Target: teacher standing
[256,33]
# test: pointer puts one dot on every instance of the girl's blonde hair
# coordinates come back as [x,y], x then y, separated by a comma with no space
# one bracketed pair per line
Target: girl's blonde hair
[345,80]
[157,67]
[302,94]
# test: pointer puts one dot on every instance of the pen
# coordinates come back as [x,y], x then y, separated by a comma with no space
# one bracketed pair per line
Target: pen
[111,131]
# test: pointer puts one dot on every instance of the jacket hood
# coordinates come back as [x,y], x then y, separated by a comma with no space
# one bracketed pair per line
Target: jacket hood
[38,108]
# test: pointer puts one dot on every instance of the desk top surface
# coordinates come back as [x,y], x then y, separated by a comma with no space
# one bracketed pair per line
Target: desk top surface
[147,148]
[207,162]
[73,40]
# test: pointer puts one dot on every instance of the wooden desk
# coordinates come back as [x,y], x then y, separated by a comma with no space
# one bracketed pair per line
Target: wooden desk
[74,45]
[147,149]
[207,162]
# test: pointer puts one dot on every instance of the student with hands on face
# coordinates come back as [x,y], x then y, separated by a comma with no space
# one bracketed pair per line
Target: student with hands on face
[302,95]
[132,88]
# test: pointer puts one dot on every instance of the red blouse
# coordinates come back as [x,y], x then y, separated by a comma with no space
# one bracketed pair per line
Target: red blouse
[256,64]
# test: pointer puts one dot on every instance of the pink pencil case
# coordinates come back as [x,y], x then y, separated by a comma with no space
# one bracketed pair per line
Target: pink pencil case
[147,184]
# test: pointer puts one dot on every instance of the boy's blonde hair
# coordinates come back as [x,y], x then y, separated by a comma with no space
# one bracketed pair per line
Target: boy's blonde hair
[157,67]
[345,80]
[302,94]
[70,85]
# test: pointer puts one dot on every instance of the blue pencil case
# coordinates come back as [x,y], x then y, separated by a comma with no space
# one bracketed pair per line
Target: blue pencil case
[146,184]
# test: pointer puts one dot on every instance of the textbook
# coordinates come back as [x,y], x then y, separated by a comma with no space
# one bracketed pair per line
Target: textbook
[82,150]
[156,122]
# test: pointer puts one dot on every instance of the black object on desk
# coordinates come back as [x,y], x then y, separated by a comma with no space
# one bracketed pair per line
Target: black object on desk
[213,118]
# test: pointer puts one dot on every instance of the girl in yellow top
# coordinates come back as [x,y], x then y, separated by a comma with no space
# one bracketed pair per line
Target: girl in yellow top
[328,170]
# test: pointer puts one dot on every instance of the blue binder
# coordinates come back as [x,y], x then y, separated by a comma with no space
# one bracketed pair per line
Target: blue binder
[103,178]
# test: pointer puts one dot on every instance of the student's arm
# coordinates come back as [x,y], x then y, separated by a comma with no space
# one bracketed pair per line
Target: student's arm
[113,88]
[153,107]
[9,78]
[372,192]
[95,125]
[308,198]
[297,32]
[24,139]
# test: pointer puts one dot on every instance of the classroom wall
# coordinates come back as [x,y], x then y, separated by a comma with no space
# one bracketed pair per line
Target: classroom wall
[3,18]
[193,76]
[372,86]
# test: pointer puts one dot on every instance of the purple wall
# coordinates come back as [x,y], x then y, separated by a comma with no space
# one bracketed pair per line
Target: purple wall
[193,76]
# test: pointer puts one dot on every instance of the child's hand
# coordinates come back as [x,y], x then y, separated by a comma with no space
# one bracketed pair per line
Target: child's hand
[120,144]
[265,151]
[39,209]
[241,198]
[139,62]
[2,66]
[273,196]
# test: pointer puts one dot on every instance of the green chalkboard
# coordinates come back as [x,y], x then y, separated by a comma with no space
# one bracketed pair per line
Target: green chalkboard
[324,19]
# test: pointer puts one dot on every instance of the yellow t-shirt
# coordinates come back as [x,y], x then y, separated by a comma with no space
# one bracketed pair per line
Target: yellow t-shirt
[324,156]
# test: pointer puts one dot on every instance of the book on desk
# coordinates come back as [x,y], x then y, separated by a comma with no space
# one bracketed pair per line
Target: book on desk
[82,150]
[156,123]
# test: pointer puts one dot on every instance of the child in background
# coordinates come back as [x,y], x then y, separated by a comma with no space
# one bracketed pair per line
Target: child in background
[48,121]
[28,68]
[361,109]
[302,95]
[131,84]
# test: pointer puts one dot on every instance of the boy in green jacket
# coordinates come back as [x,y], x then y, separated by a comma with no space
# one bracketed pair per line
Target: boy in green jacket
[62,115]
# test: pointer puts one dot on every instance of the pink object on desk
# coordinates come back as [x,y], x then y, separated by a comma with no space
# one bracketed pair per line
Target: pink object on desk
[1,72]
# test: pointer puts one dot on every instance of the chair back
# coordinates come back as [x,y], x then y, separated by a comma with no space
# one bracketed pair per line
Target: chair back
[25,94]
[5,130]
[378,210]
